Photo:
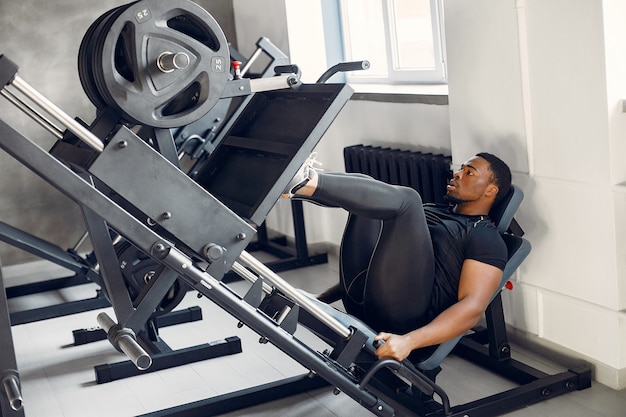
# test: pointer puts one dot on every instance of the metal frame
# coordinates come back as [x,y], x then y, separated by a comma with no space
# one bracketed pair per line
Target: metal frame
[83,274]
[11,402]
[486,347]
[245,398]
[77,189]
[147,240]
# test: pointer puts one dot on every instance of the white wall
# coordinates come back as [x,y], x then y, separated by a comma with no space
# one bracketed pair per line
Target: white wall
[615,36]
[485,84]
[540,83]
[544,74]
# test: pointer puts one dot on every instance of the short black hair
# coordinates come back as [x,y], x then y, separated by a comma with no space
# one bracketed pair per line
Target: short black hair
[500,174]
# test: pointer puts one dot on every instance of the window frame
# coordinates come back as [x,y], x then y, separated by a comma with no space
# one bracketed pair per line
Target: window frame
[436,75]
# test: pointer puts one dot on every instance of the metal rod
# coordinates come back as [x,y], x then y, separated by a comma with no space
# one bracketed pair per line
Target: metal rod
[246,274]
[124,340]
[343,67]
[273,83]
[294,294]
[72,125]
[80,241]
[170,61]
[11,387]
[283,314]
[253,58]
[39,118]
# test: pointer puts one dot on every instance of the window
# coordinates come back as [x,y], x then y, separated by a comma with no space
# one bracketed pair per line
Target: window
[402,39]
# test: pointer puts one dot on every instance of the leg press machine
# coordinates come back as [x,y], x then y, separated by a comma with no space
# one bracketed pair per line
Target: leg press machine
[197,230]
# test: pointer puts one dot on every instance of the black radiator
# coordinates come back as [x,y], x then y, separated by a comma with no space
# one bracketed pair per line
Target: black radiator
[427,173]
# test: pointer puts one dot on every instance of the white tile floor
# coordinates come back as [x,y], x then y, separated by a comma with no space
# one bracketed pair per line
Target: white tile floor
[58,379]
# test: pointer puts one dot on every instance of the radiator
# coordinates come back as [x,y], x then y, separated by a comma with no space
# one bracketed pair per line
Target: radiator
[427,173]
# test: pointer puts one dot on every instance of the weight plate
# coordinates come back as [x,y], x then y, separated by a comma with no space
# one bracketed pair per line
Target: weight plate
[85,59]
[160,63]
[138,269]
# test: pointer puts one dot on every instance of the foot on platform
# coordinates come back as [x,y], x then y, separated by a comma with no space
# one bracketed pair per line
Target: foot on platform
[306,173]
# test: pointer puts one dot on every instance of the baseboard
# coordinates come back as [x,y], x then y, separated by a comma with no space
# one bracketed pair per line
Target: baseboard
[34,271]
[601,372]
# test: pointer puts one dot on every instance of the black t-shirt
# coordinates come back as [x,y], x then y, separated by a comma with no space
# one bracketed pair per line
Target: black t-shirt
[457,237]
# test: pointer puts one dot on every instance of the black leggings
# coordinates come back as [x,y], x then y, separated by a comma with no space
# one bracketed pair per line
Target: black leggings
[386,261]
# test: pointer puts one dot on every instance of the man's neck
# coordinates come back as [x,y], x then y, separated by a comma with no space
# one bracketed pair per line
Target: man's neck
[468,209]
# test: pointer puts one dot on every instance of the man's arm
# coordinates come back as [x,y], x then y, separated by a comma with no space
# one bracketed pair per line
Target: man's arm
[477,284]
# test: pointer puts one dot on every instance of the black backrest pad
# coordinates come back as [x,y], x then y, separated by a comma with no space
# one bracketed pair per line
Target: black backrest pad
[502,212]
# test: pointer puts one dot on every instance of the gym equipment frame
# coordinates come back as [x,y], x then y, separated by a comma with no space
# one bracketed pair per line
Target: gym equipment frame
[134,315]
[193,30]
[83,273]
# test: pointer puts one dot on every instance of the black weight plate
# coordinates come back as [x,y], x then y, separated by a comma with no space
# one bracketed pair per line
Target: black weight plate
[127,50]
[138,268]
[100,35]
[85,61]
[88,63]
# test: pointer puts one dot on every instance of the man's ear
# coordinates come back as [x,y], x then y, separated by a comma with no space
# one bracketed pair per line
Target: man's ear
[492,190]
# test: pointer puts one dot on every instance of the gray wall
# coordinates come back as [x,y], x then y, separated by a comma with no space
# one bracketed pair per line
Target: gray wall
[43,38]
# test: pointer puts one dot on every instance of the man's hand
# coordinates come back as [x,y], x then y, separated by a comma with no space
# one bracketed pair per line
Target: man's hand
[478,283]
[395,346]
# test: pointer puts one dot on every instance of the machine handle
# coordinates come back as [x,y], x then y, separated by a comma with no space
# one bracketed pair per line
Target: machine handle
[408,372]
[343,67]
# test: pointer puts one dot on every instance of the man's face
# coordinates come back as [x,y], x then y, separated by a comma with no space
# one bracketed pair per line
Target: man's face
[470,181]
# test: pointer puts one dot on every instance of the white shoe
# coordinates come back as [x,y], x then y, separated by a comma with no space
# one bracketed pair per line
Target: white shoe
[306,173]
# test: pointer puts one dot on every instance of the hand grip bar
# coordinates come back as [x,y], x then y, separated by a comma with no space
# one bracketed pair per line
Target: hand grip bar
[343,67]
[124,340]
[408,372]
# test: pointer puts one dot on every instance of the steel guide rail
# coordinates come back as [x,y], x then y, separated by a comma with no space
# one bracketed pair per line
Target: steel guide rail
[294,294]
[44,122]
[86,195]
[72,125]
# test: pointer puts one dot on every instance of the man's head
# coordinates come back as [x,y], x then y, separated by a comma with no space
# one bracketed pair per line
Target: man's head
[479,183]
[500,174]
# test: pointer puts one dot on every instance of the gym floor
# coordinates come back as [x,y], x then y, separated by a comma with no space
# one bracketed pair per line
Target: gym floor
[58,378]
